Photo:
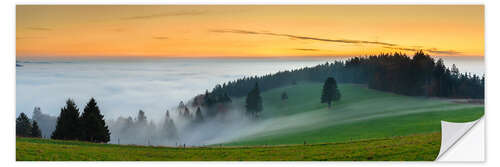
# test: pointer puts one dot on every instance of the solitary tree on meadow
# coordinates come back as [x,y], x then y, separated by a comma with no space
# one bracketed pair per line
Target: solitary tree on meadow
[330,92]
[254,101]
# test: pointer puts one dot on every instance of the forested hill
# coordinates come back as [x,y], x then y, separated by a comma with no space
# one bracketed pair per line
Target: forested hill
[420,75]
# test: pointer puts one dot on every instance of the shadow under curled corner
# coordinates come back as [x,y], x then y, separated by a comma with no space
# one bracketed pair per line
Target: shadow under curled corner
[452,132]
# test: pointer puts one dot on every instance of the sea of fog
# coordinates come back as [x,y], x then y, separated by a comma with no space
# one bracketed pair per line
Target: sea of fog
[123,86]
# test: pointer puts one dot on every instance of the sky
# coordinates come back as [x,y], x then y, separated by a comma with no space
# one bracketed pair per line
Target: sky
[247,31]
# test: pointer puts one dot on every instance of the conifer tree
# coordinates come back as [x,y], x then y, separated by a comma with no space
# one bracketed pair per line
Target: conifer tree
[94,127]
[68,126]
[254,101]
[198,117]
[23,126]
[142,119]
[35,130]
[330,92]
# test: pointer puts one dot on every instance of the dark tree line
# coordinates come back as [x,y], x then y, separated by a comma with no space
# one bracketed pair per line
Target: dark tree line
[89,126]
[420,75]
[26,127]
[132,130]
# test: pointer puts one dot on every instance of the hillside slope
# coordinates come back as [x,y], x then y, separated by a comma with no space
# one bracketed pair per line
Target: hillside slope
[361,113]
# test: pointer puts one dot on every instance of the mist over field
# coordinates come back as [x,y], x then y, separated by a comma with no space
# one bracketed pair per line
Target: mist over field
[122,87]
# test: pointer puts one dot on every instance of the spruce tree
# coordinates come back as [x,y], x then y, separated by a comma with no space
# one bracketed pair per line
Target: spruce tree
[35,130]
[23,126]
[198,117]
[94,127]
[169,129]
[141,119]
[330,92]
[68,126]
[254,101]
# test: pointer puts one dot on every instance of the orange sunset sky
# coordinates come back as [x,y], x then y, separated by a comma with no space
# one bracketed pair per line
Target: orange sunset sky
[248,31]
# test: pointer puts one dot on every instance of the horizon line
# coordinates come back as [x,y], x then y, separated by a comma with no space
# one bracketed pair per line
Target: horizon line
[216,57]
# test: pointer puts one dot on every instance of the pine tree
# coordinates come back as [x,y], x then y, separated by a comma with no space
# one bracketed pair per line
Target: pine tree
[94,127]
[330,92]
[67,127]
[23,126]
[254,101]
[198,117]
[186,113]
[142,119]
[169,129]
[45,122]
[35,130]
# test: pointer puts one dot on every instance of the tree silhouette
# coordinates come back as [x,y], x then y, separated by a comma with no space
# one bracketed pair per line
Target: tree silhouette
[23,126]
[419,75]
[330,92]
[67,126]
[94,127]
[142,120]
[254,101]
[35,130]
[198,117]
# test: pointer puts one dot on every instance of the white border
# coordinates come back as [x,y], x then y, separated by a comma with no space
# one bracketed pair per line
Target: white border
[7,89]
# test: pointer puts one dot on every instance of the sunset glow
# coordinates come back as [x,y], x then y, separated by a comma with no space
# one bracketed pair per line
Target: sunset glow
[248,31]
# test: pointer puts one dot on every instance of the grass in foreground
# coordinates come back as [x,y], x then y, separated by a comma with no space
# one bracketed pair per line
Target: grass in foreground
[417,147]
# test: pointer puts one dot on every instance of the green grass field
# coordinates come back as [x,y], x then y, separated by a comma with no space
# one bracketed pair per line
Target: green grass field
[361,113]
[364,125]
[412,148]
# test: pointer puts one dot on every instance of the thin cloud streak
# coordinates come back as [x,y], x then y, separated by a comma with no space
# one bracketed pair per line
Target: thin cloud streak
[430,50]
[348,41]
[21,38]
[39,28]
[181,13]
[306,49]
[160,37]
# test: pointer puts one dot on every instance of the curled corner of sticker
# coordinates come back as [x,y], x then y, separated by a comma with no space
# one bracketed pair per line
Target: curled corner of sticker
[451,132]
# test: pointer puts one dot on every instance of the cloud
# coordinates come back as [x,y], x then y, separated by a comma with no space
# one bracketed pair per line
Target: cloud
[21,38]
[152,16]
[450,52]
[348,41]
[39,28]
[117,29]
[430,50]
[160,37]
[306,49]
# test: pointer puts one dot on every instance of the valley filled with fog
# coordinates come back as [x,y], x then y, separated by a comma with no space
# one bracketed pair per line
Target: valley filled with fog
[122,87]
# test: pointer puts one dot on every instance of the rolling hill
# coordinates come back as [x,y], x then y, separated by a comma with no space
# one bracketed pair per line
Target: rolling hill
[361,113]
[364,125]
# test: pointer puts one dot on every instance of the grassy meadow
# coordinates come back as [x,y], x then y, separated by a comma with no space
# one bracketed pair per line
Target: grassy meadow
[417,147]
[361,113]
[364,125]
